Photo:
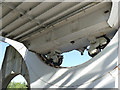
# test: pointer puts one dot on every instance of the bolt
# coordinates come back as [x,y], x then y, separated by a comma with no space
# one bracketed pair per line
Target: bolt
[72,42]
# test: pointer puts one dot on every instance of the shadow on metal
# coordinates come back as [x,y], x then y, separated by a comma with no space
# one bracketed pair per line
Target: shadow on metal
[12,66]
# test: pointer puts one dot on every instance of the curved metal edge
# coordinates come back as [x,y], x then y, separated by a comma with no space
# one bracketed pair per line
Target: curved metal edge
[114,17]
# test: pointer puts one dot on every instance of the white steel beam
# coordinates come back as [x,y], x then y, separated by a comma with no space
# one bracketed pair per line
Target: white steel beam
[11,7]
[70,30]
[50,19]
[96,73]
[20,11]
[114,19]
[35,30]
[31,19]
[39,17]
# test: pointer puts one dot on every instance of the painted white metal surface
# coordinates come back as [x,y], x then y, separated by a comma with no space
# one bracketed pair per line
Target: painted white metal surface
[20,21]
[118,79]
[99,72]
[12,66]
[114,19]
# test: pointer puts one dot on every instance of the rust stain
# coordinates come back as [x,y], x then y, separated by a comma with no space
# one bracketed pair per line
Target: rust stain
[111,75]
[117,67]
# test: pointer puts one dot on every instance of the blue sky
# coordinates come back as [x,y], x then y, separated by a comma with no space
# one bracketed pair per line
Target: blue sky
[74,58]
[2,51]
[71,58]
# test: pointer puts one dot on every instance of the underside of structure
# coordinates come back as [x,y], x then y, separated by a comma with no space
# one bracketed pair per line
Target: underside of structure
[39,32]
[56,24]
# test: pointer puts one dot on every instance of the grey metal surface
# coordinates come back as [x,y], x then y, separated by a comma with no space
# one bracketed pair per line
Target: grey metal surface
[55,23]
[31,12]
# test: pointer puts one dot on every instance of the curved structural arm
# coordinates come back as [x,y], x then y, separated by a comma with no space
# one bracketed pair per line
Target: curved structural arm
[98,72]
[114,18]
